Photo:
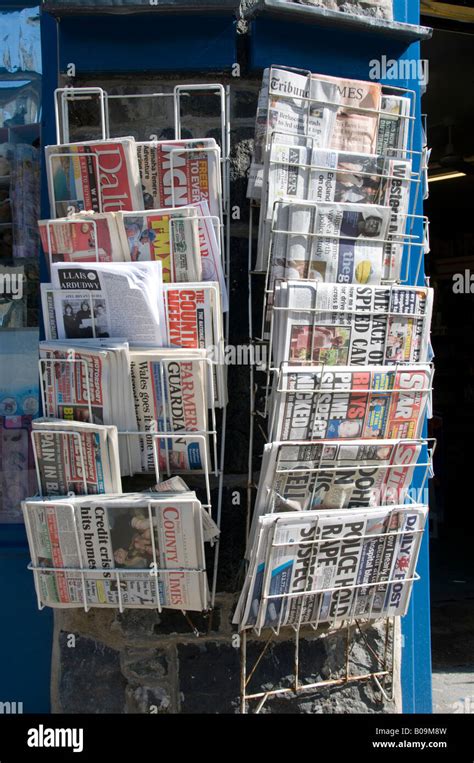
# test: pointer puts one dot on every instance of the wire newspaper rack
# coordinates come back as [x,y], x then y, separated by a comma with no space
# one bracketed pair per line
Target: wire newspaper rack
[213,461]
[380,483]
[147,584]
[403,250]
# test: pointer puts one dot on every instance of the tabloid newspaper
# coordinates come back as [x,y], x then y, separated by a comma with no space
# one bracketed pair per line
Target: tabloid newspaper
[336,113]
[175,173]
[82,237]
[137,550]
[297,170]
[328,567]
[105,300]
[96,176]
[302,476]
[76,457]
[90,380]
[194,321]
[171,395]
[347,402]
[168,236]
[394,125]
[338,324]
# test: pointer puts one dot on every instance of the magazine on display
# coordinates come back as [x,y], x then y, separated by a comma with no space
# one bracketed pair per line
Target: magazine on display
[170,392]
[327,567]
[97,176]
[175,173]
[106,300]
[76,457]
[337,324]
[136,550]
[348,402]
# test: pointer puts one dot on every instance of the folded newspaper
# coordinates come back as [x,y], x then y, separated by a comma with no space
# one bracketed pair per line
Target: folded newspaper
[90,380]
[105,300]
[298,170]
[194,321]
[349,115]
[302,476]
[82,237]
[75,457]
[137,550]
[170,393]
[337,324]
[329,567]
[96,176]
[175,173]
[347,402]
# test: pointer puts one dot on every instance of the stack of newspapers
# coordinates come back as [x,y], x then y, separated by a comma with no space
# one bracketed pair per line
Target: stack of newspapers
[131,371]
[336,531]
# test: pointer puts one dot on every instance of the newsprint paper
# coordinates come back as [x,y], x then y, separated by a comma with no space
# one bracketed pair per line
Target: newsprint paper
[327,567]
[137,550]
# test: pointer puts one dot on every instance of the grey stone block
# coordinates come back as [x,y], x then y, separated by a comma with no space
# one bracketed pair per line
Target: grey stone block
[208,678]
[149,701]
[91,680]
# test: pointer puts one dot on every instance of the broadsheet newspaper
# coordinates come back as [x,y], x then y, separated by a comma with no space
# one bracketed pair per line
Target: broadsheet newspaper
[170,392]
[298,170]
[347,402]
[97,176]
[75,457]
[175,173]
[105,300]
[337,324]
[336,113]
[138,550]
[328,567]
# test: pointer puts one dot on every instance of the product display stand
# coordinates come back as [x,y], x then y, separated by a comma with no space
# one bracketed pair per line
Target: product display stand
[292,35]
[172,43]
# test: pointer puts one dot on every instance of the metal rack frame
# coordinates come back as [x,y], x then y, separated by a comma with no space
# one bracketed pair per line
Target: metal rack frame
[62,98]
[408,240]
[154,571]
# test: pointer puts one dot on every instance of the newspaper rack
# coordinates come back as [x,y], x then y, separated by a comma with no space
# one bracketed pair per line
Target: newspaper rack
[267,376]
[352,624]
[162,438]
[154,571]
[202,437]
[427,446]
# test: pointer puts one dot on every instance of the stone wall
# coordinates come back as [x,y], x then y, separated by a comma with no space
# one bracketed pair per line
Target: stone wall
[143,662]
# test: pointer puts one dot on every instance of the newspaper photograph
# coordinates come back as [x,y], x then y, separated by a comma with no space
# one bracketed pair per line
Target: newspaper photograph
[351,402]
[338,324]
[136,550]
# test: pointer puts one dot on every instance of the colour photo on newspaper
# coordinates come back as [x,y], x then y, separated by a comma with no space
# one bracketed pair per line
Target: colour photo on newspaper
[138,550]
